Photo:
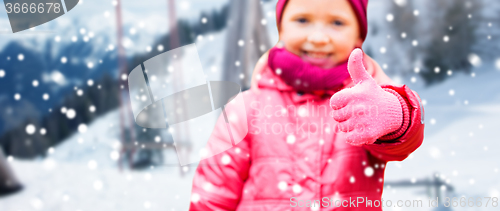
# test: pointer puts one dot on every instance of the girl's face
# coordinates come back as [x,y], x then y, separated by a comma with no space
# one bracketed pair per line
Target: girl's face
[321,32]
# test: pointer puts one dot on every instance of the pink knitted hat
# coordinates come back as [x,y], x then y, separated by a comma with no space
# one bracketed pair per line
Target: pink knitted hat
[359,7]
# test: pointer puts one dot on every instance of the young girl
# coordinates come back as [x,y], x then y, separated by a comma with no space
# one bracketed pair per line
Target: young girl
[321,127]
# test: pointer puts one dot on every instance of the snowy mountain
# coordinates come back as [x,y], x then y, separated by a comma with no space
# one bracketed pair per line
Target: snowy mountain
[42,66]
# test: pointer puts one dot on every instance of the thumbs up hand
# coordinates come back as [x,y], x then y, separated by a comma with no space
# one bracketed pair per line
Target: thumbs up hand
[365,112]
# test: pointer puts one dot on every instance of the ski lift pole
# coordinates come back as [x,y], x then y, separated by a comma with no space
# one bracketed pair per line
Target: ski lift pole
[172,24]
[123,105]
[174,43]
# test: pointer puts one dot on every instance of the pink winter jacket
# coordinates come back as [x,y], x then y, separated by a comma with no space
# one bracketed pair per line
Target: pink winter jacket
[294,155]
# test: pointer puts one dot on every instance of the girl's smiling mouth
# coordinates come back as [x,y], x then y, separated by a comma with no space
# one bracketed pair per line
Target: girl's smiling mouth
[318,58]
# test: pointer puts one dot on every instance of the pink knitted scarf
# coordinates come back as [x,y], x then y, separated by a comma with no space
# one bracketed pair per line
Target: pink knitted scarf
[304,76]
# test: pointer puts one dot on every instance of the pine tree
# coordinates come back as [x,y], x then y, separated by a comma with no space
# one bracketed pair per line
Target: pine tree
[453,33]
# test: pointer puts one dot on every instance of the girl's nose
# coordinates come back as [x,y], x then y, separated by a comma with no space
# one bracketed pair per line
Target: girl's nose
[318,37]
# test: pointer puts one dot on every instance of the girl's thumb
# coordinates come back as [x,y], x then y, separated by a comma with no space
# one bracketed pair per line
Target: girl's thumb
[356,68]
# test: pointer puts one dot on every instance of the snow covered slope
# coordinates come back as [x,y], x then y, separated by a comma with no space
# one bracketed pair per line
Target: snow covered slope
[461,142]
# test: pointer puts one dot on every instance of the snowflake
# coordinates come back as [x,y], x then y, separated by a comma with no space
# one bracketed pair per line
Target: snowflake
[195,198]
[132,31]
[474,59]
[36,203]
[389,17]
[226,159]
[369,171]
[263,21]
[92,164]
[208,186]
[30,129]
[434,152]
[352,179]
[43,131]
[383,50]
[290,139]
[446,38]
[472,181]
[82,128]
[17,96]
[282,185]
[497,65]
[297,188]
[114,155]
[400,2]
[71,113]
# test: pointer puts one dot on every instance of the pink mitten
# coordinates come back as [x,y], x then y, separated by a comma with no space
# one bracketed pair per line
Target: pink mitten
[365,112]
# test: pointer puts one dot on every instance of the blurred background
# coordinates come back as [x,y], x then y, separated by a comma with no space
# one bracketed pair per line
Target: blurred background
[68,140]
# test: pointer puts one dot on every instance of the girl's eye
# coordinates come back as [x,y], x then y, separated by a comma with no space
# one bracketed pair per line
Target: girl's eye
[338,23]
[301,20]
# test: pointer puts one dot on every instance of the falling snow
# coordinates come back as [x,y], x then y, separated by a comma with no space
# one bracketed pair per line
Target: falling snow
[30,129]
[45,96]
[225,159]
[474,59]
[17,96]
[290,139]
[43,131]
[369,171]
[297,188]
[70,113]
[282,185]
[389,17]
[82,128]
